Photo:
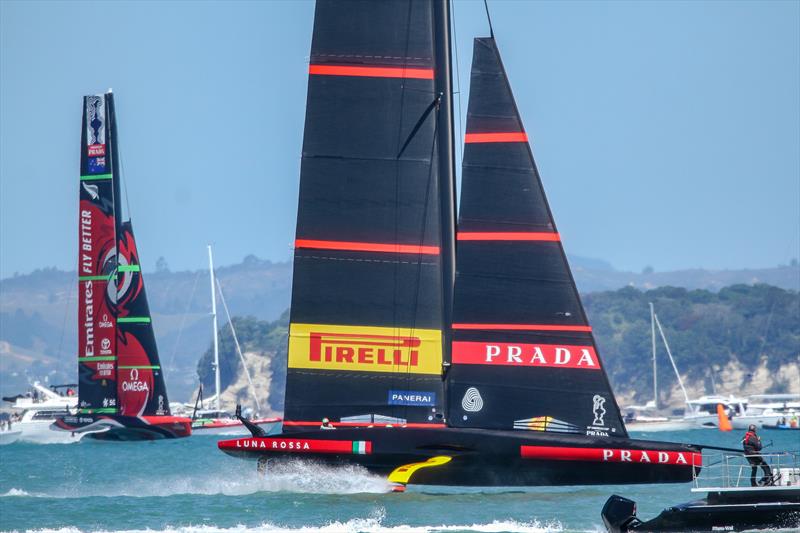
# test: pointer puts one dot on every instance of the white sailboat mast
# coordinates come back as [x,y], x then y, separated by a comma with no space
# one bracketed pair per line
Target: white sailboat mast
[671,359]
[217,387]
[653,340]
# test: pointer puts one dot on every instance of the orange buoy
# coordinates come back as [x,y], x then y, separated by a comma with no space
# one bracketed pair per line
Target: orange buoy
[724,421]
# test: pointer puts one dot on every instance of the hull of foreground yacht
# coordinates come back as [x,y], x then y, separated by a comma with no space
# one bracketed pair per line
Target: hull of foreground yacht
[482,457]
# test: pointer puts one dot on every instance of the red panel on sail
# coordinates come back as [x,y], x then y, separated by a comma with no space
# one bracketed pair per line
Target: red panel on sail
[504,137]
[527,355]
[135,380]
[367,247]
[95,234]
[507,236]
[371,72]
[523,327]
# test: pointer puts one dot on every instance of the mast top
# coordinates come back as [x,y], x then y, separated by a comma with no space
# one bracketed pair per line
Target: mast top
[488,18]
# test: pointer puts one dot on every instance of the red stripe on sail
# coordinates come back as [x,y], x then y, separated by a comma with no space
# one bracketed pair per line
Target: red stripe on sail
[371,72]
[524,327]
[367,247]
[507,236]
[525,355]
[612,455]
[506,137]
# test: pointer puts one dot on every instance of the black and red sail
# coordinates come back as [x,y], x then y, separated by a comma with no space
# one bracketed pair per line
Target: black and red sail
[141,389]
[97,356]
[118,363]
[523,354]
[366,318]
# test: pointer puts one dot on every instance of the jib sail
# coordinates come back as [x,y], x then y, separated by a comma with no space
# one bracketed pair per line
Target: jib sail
[365,341]
[523,354]
[97,356]
[140,384]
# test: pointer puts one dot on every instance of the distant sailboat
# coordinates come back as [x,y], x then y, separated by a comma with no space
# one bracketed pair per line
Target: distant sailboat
[215,421]
[121,386]
[642,417]
[486,375]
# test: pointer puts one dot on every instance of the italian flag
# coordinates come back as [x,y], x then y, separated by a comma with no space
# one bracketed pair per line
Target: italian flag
[359,447]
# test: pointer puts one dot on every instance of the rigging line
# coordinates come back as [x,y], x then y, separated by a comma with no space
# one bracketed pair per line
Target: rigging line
[70,291]
[766,328]
[488,18]
[459,146]
[183,322]
[671,359]
[238,347]
[123,180]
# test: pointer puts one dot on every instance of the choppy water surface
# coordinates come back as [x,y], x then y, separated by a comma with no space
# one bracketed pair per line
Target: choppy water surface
[188,485]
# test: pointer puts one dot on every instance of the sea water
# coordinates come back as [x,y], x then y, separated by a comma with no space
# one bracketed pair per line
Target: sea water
[188,485]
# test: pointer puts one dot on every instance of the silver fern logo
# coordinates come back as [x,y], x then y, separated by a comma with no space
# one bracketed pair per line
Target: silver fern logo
[93,190]
[472,401]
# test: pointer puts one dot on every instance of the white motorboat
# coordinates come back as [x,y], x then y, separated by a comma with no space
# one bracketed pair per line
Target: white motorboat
[38,408]
[7,436]
[760,410]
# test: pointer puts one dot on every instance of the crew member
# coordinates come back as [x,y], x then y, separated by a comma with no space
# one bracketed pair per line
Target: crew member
[326,424]
[752,451]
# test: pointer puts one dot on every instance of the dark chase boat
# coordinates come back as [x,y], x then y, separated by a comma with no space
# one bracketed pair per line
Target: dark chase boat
[440,356]
[121,389]
[731,504]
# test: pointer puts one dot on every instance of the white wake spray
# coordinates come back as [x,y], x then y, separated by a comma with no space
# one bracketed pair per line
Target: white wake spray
[355,525]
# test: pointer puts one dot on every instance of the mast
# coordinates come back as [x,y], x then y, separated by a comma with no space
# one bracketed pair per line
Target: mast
[112,132]
[217,387]
[653,341]
[443,85]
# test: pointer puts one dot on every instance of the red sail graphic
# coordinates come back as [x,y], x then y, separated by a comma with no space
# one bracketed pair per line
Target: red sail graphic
[135,380]
[141,388]
[96,264]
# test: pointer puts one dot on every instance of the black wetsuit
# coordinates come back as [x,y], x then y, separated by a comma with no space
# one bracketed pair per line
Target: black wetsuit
[752,446]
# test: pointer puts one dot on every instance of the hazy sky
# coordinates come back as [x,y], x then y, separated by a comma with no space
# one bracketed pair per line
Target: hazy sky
[667,133]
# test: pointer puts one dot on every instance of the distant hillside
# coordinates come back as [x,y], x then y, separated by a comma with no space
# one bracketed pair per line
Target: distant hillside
[741,340]
[38,332]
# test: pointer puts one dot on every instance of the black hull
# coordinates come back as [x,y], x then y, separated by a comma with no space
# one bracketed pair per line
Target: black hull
[708,514]
[125,428]
[479,457]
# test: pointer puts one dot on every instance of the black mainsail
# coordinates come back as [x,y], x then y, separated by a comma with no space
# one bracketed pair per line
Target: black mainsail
[365,343]
[523,352]
[121,390]
[372,331]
